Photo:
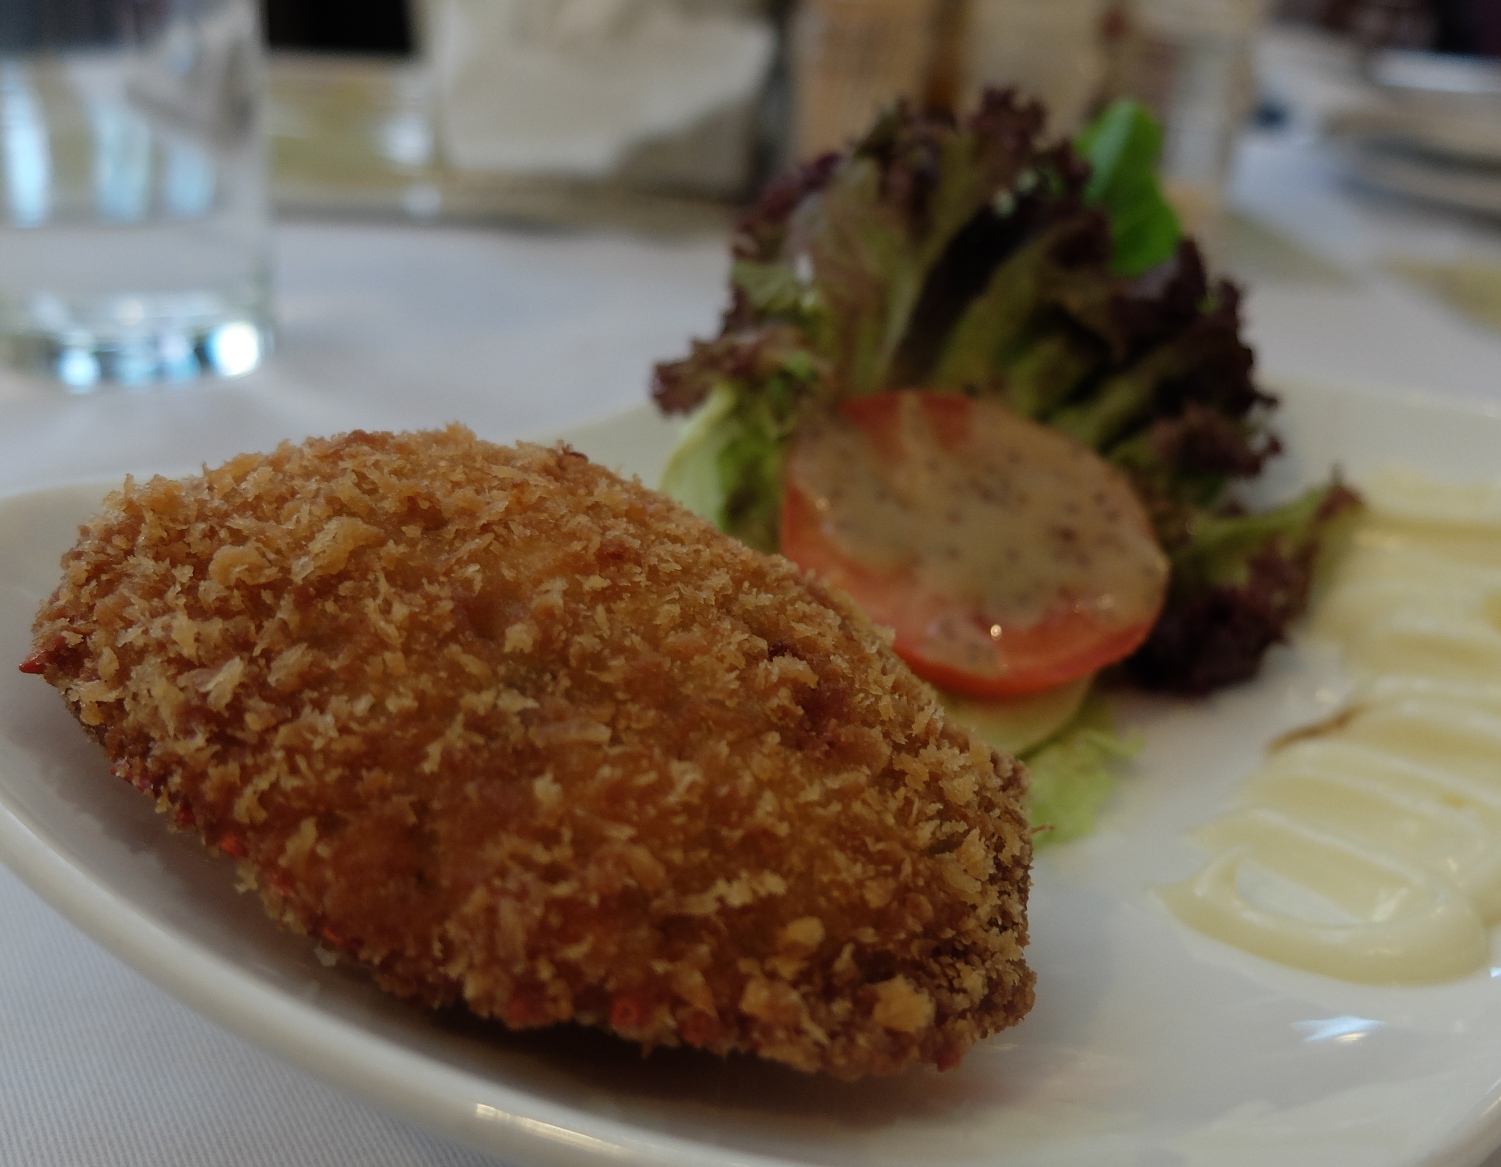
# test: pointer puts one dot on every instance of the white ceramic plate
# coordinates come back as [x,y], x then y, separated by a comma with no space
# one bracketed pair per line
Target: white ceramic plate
[1149,1044]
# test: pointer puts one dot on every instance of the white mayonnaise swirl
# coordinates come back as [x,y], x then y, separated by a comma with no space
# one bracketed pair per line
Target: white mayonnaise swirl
[1369,847]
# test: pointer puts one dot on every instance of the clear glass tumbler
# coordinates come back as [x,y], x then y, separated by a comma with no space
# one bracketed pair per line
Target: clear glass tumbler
[133,206]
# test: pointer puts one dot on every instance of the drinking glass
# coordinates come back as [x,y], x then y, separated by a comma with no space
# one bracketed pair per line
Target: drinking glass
[133,209]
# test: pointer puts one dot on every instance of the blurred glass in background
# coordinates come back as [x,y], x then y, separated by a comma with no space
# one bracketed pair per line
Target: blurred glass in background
[133,224]
[641,112]
[133,192]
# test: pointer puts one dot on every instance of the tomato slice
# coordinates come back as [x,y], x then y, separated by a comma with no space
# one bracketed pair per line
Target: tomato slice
[1007,557]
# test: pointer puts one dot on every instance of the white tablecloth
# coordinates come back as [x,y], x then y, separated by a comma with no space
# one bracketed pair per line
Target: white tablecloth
[518,334]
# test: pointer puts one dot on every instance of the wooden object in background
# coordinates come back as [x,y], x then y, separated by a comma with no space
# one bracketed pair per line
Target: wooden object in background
[1053,51]
[853,58]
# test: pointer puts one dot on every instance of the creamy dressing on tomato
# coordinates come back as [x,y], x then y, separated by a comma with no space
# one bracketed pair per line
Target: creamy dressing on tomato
[1369,847]
[1026,518]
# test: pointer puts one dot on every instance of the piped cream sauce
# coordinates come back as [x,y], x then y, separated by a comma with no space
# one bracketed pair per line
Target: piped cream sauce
[1369,847]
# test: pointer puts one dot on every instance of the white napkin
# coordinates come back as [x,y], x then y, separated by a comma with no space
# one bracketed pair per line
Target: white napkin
[569,86]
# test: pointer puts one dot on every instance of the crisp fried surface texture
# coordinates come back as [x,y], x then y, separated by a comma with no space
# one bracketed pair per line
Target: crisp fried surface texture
[513,732]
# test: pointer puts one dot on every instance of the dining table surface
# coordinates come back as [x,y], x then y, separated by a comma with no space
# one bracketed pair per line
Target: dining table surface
[522,333]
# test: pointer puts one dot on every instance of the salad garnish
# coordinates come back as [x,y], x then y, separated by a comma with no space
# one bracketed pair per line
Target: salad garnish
[969,256]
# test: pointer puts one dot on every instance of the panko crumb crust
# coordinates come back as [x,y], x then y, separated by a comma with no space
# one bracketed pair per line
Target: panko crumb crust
[514,732]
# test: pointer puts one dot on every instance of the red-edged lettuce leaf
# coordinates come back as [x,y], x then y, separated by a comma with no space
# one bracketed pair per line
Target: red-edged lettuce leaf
[1238,581]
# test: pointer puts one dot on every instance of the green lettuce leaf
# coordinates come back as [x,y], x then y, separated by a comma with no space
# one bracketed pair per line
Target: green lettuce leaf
[1123,145]
[692,474]
[727,464]
[1074,773]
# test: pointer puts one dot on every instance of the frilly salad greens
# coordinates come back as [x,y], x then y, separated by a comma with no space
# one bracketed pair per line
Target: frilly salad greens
[967,255]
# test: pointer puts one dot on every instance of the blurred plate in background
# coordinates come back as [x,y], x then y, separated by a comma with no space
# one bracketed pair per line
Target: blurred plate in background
[1435,133]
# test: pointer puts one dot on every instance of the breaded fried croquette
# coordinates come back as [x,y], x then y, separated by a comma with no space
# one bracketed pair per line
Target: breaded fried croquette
[514,732]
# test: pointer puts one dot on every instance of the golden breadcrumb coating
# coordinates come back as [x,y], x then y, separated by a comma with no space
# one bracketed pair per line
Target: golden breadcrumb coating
[512,731]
